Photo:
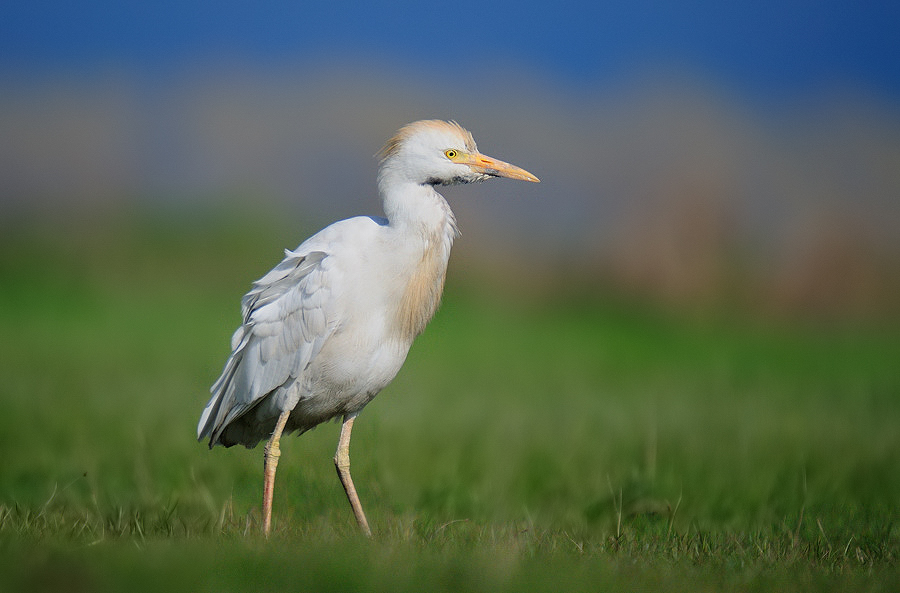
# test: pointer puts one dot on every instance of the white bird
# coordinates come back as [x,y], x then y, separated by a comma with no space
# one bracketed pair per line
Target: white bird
[331,325]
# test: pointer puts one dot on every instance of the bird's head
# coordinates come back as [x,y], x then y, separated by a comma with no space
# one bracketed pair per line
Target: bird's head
[437,152]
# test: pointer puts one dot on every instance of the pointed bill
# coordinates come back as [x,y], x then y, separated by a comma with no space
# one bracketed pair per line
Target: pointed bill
[481,163]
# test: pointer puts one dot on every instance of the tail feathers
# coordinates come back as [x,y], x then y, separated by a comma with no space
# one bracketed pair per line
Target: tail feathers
[222,403]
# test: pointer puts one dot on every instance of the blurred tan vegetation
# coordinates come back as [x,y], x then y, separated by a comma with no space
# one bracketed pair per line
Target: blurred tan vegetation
[667,189]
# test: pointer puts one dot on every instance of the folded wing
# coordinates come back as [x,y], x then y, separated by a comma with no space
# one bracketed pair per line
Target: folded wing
[286,320]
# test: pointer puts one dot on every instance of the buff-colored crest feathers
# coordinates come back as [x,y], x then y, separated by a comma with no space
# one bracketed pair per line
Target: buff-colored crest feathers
[393,145]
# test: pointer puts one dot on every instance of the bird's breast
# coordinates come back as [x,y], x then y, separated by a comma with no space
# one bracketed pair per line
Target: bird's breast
[421,293]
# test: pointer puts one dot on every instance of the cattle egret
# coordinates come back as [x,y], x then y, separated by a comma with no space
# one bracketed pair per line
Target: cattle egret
[330,326]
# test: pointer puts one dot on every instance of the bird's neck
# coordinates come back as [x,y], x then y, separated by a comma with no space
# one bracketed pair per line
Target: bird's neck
[417,208]
[423,219]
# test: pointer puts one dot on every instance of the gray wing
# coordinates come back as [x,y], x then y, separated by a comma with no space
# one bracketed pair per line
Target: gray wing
[285,323]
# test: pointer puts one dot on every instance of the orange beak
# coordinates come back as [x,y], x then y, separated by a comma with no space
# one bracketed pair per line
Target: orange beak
[490,166]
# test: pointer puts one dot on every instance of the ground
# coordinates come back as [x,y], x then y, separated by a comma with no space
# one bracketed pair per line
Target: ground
[547,443]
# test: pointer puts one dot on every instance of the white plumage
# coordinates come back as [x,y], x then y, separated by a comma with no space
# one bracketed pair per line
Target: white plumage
[331,325]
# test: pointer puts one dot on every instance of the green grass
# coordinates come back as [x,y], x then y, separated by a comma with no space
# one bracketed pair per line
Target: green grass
[528,444]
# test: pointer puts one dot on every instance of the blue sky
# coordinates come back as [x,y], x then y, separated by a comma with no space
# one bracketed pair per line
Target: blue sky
[769,48]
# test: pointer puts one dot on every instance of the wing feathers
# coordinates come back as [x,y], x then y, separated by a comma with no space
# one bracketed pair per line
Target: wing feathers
[285,324]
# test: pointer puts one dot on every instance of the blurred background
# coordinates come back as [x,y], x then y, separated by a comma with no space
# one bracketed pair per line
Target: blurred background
[689,327]
[694,153]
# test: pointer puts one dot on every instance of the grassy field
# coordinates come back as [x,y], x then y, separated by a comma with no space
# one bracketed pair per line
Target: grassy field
[529,444]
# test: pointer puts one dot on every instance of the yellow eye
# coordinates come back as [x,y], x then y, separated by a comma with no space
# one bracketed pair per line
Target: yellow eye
[451,153]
